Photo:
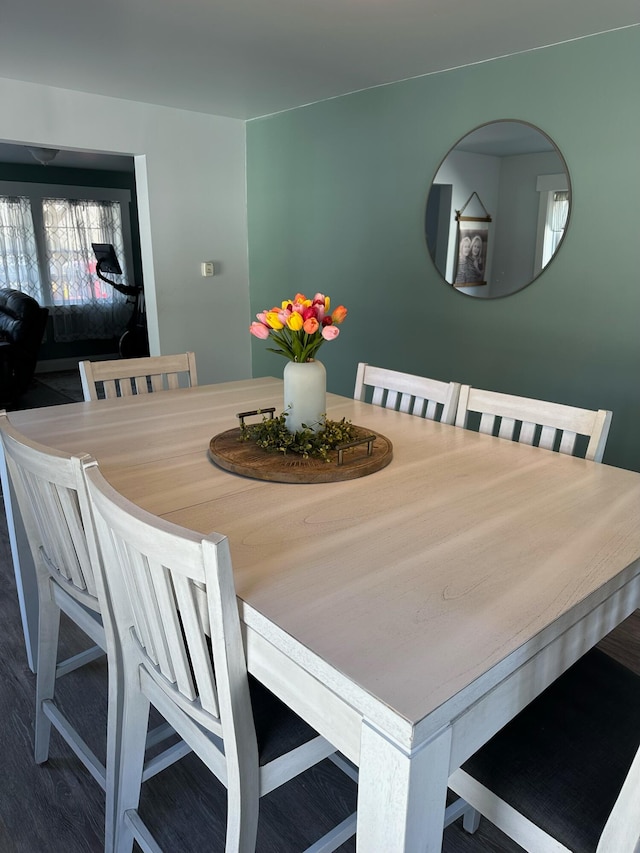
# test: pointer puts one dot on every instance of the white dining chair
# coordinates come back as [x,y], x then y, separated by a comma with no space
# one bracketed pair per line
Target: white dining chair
[176,615]
[405,392]
[124,377]
[564,775]
[52,499]
[553,426]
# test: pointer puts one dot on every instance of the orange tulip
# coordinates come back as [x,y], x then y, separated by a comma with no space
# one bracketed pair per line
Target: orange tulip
[338,314]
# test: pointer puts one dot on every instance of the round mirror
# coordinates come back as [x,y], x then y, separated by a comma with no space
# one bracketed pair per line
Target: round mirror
[498,209]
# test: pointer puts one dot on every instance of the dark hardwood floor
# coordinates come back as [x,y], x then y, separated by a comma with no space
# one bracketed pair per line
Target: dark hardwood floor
[58,808]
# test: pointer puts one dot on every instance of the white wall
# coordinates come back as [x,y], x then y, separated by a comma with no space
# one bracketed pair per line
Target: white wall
[516,230]
[190,177]
[469,173]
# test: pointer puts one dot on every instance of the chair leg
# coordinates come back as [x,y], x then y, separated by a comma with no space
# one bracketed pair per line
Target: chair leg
[134,721]
[115,714]
[243,804]
[48,631]
[471,820]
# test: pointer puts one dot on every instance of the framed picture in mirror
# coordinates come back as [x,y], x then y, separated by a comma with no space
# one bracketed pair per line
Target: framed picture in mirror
[471,261]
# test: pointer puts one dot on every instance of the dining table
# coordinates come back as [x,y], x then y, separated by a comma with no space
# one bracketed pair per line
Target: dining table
[408,614]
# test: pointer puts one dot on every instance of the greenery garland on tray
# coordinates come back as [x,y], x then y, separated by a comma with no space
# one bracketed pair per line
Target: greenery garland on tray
[272,435]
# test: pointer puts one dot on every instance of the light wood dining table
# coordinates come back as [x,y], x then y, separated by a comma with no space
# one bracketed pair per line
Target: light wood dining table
[407,615]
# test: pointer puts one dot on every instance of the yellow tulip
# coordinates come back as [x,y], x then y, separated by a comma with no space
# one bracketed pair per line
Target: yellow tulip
[294,322]
[272,319]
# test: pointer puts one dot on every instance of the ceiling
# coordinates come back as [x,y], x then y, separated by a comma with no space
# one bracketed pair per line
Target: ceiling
[505,139]
[250,58]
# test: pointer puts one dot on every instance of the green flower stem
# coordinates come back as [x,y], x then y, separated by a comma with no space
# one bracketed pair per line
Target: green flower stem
[296,346]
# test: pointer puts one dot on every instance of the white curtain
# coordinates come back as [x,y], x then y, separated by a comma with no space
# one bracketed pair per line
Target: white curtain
[557,219]
[83,306]
[559,210]
[18,253]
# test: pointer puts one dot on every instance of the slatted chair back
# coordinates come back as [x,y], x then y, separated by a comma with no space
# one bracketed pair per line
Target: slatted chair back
[53,503]
[129,376]
[170,588]
[176,614]
[405,392]
[552,426]
[49,487]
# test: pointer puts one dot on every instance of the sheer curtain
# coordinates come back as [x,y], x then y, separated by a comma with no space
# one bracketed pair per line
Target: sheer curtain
[18,253]
[557,219]
[83,306]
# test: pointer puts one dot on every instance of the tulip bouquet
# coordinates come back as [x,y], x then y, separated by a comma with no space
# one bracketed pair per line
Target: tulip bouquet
[300,326]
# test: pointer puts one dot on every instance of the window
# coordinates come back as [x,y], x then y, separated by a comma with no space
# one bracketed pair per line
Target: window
[556,220]
[553,212]
[19,261]
[45,243]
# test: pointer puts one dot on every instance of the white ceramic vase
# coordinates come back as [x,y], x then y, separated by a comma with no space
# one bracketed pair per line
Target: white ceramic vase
[305,394]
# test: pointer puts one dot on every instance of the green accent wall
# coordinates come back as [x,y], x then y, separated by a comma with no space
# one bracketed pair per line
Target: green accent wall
[336,202]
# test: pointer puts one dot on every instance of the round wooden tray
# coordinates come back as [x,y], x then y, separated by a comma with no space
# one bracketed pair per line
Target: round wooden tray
[243,457]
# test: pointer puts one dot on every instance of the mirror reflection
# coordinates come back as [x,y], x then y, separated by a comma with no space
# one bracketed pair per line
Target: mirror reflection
[498,209]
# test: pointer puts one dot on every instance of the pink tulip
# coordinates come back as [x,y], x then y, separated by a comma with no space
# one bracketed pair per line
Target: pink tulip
[310,312]
[259,330]
[329,333]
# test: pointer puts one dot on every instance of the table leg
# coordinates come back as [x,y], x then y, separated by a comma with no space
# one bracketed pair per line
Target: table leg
[401,796]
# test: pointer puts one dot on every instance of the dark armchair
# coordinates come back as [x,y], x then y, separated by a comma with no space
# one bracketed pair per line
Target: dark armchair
[22,326]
